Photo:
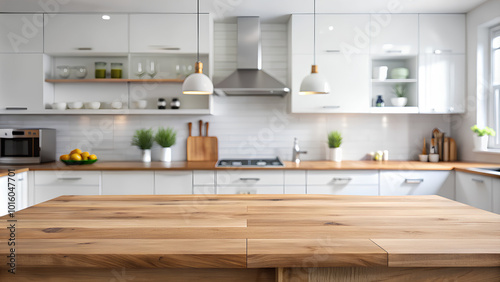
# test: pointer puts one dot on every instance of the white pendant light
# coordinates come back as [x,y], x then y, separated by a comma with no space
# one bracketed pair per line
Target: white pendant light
[314,83]
[198,83]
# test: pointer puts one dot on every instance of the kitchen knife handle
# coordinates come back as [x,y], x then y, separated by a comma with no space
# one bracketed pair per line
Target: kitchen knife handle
[200,123]
[69,178]
[477,180]
[249,178]
[206,128]
[414,181]
[190,126]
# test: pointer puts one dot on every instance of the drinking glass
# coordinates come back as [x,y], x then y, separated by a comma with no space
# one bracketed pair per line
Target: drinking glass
[188,70]
[152,69]
[140,71]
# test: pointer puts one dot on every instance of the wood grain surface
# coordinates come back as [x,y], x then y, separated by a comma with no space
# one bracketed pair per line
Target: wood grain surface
[253,231]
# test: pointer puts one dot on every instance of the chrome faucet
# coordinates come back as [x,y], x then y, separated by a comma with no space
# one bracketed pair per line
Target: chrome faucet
[296,151]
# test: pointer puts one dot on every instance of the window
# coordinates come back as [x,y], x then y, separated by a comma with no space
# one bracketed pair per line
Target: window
[494,96]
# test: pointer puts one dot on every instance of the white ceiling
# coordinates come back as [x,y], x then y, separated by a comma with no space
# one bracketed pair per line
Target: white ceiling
[227,10]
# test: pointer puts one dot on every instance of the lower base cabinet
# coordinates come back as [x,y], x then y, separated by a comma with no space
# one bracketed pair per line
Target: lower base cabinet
[401,183]
[496,195]
[173,182]
[345,182]
[475,190]
[128,183]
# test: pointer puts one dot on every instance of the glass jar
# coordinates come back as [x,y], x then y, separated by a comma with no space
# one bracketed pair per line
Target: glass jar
[162,104]
[116,70]
[100,69]
[80,71]
[175,104]
[63,71]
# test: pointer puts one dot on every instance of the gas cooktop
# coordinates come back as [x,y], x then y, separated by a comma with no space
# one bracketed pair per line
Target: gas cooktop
[276,162]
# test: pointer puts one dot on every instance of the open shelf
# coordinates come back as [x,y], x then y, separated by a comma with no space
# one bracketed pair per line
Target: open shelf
[394,110]
[116,112]
[113,80]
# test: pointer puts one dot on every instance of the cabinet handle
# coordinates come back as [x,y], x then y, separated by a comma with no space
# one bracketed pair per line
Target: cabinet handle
[249,179]
[333,51]
[477,180]
[84,48]
[439,51]
[342,179]
[395,51]
[69,178]
[16,108]
[331,107]
[163,47]
[414,181]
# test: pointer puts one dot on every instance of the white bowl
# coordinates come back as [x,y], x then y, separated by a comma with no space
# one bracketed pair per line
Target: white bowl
[93,105]
[423,158]
[116,105]
[75,105]
[433,158]
[59,106]
[141,104]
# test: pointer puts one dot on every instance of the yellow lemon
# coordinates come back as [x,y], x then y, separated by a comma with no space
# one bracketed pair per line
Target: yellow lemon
[92,157]
[64,157]
[76,157]
[76,151]
[85,155]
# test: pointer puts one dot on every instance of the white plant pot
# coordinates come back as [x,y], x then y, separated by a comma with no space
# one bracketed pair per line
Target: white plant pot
[335,154]
[146,155]
[399,101]
[480,143]
[166,154]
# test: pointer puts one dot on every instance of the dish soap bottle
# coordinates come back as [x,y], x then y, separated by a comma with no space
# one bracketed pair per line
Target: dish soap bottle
[379,102]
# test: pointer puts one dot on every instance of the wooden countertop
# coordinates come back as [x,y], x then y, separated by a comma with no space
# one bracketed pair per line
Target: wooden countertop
[306,165]
[253,231]
[5,172]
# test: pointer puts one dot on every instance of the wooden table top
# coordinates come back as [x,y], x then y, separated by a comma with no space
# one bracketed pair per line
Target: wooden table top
[253,231]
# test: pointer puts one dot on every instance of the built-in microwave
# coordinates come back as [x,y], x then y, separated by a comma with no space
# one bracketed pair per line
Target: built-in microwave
[27,146]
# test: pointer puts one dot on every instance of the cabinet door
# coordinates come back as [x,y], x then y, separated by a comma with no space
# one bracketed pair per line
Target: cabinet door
[168,33]
[21,190]
[21,33]
[173,182]
[250,177]
[258,189]
[348,77]
[86,34]
[52,184]
[128,182]
[345,182]
[474,190]
[21,82]
[442,83]
[3,197]
[401,183]
[496,195]
[295,182]
[395,35]
[442,33]
[358,190]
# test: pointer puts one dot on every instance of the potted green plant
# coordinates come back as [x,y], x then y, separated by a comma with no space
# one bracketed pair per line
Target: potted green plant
[334,142]
[400,100]
[481,137]
[143,138]
[165,137]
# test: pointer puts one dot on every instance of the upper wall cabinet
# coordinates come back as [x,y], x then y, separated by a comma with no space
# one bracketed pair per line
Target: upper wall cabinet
[169,33]
[86,34]
[21,33]
[394,34]
[442,33]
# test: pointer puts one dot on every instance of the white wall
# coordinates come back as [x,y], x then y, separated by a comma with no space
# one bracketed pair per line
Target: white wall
[478,21]
[247,126]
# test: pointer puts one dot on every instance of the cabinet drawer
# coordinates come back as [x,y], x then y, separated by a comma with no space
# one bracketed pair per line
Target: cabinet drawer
[128,182]
[343,177]
[295,177]
[249,177]
[67,177]
[474,190]
[400,183]
[173,182]
[203,189]
[360,190]
[250,190]
[204,177]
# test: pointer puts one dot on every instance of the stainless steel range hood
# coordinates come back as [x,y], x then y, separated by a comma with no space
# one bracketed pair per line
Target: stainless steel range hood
[249,79]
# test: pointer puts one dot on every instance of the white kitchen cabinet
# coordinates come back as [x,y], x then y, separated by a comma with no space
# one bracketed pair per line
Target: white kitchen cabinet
[203,189]
[402,183]
[128,182]
[394,34]
[349,79]
[203,182]
[21,82]
[86,34]
[21,33]
[4,180]
[343,182]
[442,33]
[22,194]
[496,195]
[250,189]
[250,181]
[442,83]
[176,182]
[169,33]
[52,184]
[295,182]
[14,186]
[474,190]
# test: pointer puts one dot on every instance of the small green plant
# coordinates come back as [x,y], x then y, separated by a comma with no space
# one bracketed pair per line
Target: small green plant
[334,139]
[165,137]
[143,138]
[399,90]
[482,132]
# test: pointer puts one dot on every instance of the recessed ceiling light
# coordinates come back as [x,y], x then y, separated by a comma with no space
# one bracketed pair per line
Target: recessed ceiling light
[106,17]
[330,27]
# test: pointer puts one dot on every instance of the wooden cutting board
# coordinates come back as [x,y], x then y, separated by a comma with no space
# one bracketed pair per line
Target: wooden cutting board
[202,148]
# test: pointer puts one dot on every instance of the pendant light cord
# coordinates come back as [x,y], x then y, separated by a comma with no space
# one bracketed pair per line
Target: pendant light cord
[198,32]
[314,33]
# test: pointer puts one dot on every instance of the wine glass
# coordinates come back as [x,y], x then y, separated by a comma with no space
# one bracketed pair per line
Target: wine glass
[140,71]
[152,69]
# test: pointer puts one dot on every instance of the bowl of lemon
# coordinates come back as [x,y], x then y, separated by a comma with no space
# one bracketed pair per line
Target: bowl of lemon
[77,157]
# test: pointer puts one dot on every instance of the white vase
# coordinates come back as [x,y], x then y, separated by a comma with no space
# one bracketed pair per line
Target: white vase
[399,101]
[146,155]
[335,154]
[480,143]
[166,154]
